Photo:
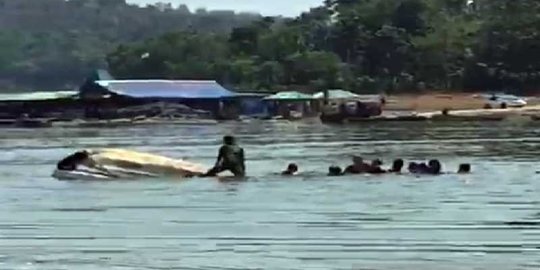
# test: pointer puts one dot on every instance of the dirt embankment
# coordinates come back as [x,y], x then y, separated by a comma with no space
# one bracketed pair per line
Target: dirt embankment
[440,101]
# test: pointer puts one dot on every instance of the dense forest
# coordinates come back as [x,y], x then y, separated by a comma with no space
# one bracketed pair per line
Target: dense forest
[54,44]
[360,45]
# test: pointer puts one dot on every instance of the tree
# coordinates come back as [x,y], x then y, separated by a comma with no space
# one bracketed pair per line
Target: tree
[409,16]
[71,38]
[509,43]
[362,45]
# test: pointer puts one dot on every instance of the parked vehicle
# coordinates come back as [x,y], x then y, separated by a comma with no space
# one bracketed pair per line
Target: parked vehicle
[504,101]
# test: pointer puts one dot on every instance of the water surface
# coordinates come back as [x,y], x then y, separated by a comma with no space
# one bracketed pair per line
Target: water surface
[487,220]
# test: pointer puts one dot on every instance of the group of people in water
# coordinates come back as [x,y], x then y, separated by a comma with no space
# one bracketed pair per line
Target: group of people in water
[231,158]
[433,167]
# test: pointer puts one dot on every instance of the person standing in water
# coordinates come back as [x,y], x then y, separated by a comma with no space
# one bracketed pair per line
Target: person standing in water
[230,158]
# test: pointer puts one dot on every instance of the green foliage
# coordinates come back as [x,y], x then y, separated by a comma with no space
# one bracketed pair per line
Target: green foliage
[54,44]
[361,45]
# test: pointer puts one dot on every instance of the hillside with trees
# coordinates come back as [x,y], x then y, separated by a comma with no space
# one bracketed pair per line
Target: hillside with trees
[360,45]
[54,44]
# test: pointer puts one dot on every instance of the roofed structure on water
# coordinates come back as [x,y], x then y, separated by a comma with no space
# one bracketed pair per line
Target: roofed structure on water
[289,96]
[38,104]
[199,94]
[157,89]
[335,94]
[38,96]
[291,104]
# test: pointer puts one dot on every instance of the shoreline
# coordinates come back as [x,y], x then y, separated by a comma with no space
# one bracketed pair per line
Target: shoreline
[423,117]
[398,108]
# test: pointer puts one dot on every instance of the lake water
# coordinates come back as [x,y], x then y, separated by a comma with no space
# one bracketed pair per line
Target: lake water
[487,220]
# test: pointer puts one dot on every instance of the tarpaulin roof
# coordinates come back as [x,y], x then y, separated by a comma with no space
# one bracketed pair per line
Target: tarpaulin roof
[337,94]
[166,89]
[289,95]
[37,96]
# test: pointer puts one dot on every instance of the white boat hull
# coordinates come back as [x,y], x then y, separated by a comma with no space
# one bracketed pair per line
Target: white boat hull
[78,175]
[125,164]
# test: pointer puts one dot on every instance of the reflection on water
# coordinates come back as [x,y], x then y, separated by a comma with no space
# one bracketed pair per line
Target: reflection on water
[488,220]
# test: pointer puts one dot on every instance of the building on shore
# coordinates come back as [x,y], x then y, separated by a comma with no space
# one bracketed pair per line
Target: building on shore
[292,105]
[338,105]
[253,104]
[47,104]
[104,96]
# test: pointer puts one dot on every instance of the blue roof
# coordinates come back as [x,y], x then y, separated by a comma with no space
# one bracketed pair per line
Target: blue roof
[166,89]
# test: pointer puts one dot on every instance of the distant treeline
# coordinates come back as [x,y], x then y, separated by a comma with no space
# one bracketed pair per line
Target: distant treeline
[54,44]
[360,45]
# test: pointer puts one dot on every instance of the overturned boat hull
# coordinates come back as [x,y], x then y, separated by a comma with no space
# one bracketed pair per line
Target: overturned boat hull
[79,175]
[125,164]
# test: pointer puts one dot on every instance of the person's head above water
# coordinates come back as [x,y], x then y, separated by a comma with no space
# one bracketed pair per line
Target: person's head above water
[435,166]
[78,158]
[229,140]
[357,160]
[72,161]
[335,171]
[397,166]
[464,168]
[413,167]
[81,155]
[291,169]
[376,163]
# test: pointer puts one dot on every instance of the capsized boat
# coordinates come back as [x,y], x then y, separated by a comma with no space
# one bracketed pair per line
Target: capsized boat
[124,164]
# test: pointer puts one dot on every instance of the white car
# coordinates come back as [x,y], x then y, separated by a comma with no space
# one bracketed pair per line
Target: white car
[504,101]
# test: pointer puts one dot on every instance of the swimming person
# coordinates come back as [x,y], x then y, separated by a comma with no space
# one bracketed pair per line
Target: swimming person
[358,166]
[423,168]
[414,167]
[375,167]
[335,171]
[292,169]
[230,158]
[418,168]
[464,168]
[72,162]
[83,159]
[434,167]
[397,166]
